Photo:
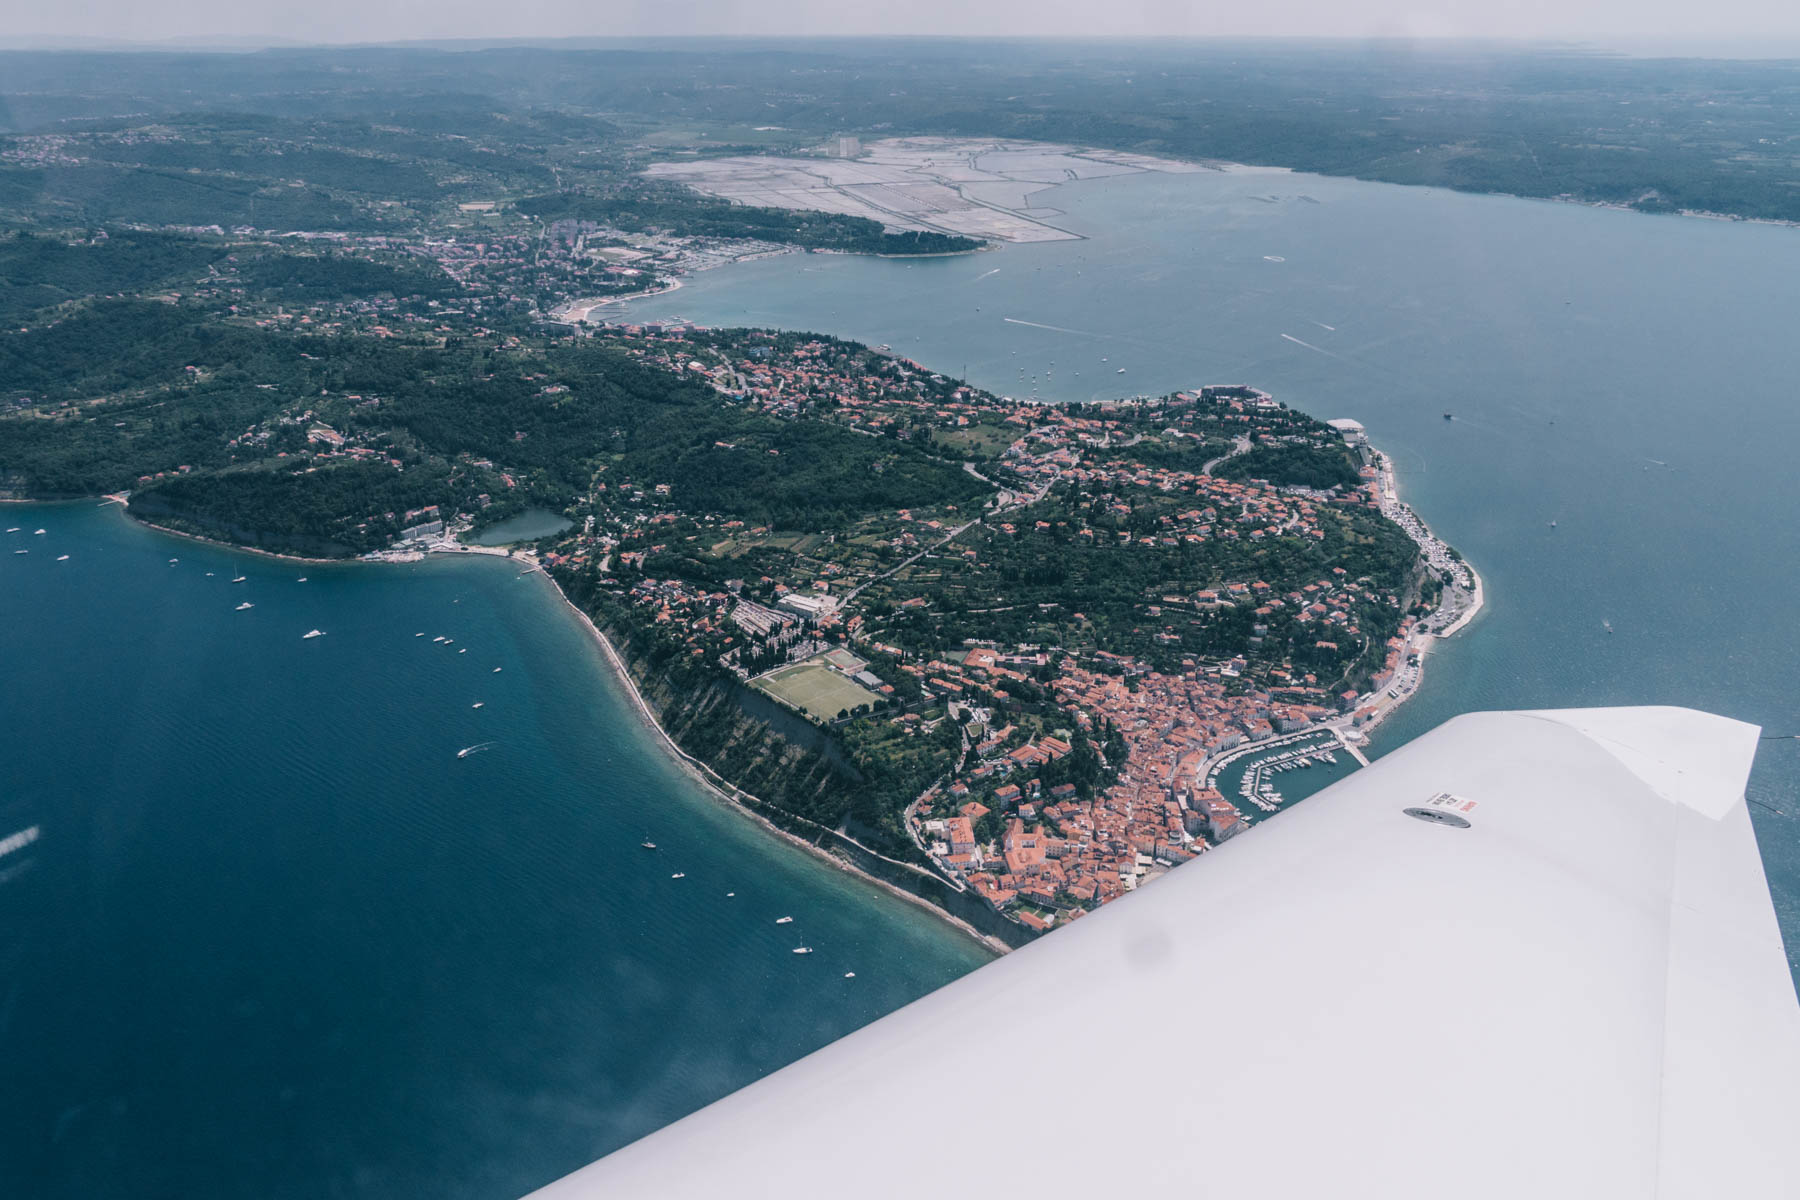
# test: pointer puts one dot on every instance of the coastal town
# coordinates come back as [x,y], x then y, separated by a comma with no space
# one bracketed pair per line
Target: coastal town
[1083,745]
[1041,653]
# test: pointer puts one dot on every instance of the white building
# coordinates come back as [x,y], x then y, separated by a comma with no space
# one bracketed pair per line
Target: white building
[810,607]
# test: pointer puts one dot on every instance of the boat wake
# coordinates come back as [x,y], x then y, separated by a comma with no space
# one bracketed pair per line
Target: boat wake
[1320,349]
[1055,328]
[477,748]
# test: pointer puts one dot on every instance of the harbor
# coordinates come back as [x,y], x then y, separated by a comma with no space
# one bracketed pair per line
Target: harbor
[1261,779]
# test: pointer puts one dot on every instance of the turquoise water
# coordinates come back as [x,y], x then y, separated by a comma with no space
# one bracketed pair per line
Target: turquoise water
[1631,378]
[276,940]
[528,526]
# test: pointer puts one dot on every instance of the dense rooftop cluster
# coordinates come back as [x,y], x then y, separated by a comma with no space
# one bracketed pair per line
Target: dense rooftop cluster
[1218,610]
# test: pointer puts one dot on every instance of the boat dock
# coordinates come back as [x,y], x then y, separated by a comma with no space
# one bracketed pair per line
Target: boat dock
[1349,746]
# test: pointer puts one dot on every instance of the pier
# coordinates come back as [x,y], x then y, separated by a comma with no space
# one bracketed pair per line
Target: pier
[1349,747]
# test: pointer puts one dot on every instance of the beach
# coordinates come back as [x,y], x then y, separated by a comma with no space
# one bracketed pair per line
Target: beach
[1464,602]
[700,773]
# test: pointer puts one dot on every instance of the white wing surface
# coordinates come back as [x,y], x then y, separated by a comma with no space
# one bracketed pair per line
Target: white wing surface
[1566,981]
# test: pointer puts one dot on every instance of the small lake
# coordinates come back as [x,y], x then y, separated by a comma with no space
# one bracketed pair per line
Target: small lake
[528,526]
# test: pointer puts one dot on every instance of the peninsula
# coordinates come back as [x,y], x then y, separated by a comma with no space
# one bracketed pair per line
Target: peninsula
[981,648]
[995,653]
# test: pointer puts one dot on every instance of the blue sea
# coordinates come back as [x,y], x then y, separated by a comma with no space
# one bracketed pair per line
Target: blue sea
[1634,380]
[276,939]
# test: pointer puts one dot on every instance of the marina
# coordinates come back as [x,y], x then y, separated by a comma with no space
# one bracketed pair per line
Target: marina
[1260,780]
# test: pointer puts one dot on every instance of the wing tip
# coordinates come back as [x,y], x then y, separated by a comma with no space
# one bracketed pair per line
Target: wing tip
[1697,759]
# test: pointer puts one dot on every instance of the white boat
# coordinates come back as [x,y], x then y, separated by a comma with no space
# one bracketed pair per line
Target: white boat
[729,895]
[477,704]
[449,641]
[477,748]
[240,579]
[496,670]
[244,605]
[802,949]
[783,920]
[14,529]
[21,552]
[438,638]
[849,974]
[679,875]
[464,650]
[1121,370]
[419,634]
[649,845]
[37,533]
[302,579]
[62,558]
[312,633]
[173,561]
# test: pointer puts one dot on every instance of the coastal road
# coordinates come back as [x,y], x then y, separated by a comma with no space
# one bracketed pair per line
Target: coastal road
[1242,446]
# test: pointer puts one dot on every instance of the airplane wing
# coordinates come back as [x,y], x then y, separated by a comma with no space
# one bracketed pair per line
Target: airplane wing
[1531,954]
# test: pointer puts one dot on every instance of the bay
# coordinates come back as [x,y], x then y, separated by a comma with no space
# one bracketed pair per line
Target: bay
[276,939]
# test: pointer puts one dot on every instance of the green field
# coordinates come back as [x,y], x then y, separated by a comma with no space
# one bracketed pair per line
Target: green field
[815,687]
[981,441]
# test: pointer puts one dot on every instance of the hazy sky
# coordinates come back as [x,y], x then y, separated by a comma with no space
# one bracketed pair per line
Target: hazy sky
[1613,22]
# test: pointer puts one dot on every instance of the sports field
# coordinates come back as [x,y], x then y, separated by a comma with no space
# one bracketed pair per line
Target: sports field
[815,687]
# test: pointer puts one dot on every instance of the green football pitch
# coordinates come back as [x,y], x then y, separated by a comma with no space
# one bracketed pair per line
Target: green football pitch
[815,687]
